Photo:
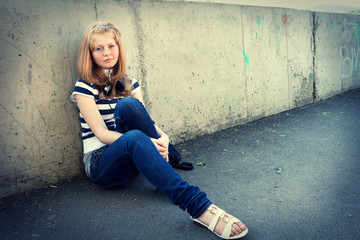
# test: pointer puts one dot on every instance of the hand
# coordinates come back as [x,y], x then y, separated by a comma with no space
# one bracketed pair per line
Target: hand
[162,145]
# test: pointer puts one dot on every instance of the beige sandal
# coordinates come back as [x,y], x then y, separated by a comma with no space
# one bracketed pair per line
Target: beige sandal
[224,217]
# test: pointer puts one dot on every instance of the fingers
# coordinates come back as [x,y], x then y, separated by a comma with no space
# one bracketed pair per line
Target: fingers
[164,141]
[161,146]
[163,150]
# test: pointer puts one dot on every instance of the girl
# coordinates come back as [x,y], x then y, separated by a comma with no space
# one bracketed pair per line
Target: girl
[121,141]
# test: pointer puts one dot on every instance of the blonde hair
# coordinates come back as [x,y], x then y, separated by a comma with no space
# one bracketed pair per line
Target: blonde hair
[89,71]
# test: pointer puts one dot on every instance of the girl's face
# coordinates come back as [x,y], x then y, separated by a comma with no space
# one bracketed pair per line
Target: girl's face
[106,50]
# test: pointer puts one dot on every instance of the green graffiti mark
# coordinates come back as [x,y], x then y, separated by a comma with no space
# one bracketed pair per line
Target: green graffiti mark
[258,21]
[224,20]
[357,33]
[246,59]
[331,25]
[310,77]
[356,70]
[277,39]
[228,100]
[237,44]
[177,107]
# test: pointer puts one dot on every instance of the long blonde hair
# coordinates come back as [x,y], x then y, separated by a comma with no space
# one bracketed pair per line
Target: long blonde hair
[89,71]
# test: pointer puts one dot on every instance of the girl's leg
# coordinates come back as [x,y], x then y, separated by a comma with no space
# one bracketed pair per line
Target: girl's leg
[130,114]
[135,153]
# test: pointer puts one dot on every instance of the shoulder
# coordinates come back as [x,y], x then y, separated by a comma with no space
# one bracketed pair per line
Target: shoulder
[133,82]
[84,88]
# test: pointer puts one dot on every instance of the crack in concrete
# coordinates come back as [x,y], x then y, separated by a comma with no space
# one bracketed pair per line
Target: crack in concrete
[96,13]
[315,24]
[140,45]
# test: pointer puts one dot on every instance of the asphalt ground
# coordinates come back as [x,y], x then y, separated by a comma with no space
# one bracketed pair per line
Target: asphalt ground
[294,175]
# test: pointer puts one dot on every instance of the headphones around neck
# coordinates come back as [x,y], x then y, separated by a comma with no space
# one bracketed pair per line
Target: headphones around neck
[119,86]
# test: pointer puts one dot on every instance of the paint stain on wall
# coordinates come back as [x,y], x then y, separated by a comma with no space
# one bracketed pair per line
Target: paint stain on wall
[246,59]
[178,108]
[224,20]
[258,21]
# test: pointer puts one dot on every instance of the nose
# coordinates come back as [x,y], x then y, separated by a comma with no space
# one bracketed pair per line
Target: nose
[106,51]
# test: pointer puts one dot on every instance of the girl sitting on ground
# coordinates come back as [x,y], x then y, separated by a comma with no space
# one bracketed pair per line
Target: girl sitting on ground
[121,141]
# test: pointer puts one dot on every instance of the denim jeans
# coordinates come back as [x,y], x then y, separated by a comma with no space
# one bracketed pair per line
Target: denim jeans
[134,153]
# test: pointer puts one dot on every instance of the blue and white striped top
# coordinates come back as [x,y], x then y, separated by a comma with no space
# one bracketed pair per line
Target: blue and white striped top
[106,108]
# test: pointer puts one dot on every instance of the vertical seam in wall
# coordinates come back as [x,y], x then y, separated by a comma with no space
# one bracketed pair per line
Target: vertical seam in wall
[243,46]
[287,64]
[314,28]
[343,44]
[140,46]
[96,13]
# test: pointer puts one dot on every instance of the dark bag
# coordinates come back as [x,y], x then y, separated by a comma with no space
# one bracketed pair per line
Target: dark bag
[175,159]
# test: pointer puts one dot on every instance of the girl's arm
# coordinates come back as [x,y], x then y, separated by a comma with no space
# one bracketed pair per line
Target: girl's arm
[91,115]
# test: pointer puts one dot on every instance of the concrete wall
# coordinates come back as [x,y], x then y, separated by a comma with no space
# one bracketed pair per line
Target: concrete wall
[203,67]
[337,53]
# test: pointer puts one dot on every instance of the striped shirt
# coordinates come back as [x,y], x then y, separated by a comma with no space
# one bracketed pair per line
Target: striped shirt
[106,108]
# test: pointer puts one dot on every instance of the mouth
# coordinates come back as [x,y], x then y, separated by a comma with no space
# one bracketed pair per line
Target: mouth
[108,60]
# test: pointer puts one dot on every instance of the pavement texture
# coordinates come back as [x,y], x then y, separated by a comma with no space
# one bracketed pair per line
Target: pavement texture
[294,175]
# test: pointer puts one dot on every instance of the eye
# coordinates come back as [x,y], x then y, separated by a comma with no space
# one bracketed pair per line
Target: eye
[112,46]
[98,49]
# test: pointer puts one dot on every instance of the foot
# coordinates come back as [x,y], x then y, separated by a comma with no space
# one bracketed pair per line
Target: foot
[238,229]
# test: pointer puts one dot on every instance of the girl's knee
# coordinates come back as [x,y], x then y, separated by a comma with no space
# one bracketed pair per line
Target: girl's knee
[135,135]
[135,140]
[127,104]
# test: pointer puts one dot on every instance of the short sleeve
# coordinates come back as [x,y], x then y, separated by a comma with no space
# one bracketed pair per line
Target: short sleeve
[135,86]
[85,89]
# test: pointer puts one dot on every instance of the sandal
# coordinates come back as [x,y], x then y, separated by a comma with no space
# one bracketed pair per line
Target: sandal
[224,217]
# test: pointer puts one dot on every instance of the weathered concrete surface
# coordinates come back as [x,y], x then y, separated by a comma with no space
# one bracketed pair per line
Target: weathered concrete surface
[194,58]
[337,53]
[203,67]
[277,46]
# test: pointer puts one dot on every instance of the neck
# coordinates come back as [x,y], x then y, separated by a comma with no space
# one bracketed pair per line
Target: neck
[108,73]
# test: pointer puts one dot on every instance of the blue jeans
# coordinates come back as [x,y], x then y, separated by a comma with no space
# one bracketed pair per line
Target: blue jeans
[134,153]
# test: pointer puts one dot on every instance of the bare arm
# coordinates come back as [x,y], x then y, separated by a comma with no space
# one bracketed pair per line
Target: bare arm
[91,115]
